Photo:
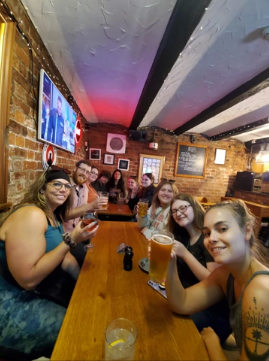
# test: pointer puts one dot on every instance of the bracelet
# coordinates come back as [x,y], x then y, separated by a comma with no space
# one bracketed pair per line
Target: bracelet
[68,240]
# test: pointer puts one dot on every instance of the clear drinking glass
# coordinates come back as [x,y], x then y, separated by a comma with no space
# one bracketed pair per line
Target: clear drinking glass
[105,195]
[88,218]
[160,253]
[120,339]
[120,201]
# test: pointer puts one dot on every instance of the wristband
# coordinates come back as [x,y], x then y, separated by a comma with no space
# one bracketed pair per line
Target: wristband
[67,239]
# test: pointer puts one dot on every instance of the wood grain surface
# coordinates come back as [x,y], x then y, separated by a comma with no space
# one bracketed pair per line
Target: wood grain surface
[104,292]
[113,210]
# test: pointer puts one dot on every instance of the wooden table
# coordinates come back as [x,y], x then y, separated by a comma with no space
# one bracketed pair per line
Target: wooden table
[113,210]
[104,292]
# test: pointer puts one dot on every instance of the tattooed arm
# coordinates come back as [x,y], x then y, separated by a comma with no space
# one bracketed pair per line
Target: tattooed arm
[255,320]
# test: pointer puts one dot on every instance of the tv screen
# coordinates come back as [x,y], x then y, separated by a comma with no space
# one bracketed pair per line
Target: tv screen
[56,118]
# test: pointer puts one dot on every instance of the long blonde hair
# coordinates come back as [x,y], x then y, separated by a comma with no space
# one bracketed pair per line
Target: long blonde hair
[155,201]
[243,216]
[35,197]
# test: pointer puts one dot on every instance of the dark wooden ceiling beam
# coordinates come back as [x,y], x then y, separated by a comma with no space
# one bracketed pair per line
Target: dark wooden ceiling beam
[244,91]
[183,21]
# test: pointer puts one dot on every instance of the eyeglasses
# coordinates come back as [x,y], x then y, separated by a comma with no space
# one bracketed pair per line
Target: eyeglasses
[95,174]
[84,170]
[58,185]
[167,180]
[55,167]
[181,209]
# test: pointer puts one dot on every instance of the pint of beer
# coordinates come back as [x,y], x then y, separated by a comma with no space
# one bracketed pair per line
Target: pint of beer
[143,207]
[104,195]
[161,246]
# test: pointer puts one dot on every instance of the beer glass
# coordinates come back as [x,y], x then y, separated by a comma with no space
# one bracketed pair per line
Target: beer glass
[105,195]
[120,339]
[161,247]
[120,201]
[143,207]
[88,218]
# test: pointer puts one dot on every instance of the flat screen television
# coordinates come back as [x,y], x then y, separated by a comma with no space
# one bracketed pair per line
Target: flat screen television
[56,118]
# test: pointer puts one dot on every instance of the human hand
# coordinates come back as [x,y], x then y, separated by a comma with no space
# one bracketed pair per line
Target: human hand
[209,336]
[80,234]
[179,249]
[98,203]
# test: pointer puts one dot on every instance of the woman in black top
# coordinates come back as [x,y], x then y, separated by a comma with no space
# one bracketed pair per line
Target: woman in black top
[115,186]
[194,262]
[148,189]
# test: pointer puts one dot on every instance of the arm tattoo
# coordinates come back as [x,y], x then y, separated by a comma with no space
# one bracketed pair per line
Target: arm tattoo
[256,332]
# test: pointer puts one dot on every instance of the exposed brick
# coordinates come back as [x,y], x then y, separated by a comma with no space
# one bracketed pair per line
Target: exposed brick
[11,139]
[30,165]
[20,140]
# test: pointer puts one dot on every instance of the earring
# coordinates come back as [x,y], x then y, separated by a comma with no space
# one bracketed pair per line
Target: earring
[41,191]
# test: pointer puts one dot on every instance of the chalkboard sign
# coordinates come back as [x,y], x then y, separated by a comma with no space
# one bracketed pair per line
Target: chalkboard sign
[190,160]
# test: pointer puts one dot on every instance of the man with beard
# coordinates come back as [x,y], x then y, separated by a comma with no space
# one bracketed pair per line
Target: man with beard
[80,203]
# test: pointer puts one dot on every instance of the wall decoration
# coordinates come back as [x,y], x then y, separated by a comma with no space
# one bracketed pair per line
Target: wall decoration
[220,156]
[116,143]
[123,164]
[95,154]
[190,160]
[49,156]
[109,159]
[151,164]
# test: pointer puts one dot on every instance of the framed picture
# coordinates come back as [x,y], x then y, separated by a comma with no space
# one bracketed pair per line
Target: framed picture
[220,156]
[123,164]
[116,143]
[151,164]
[95,154]
[190,160]
[109,159]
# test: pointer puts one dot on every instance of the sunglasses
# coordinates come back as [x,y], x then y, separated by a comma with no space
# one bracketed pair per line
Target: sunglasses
[55,167]
[167,180]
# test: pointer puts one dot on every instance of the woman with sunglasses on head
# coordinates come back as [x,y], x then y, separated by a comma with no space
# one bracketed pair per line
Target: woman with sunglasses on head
[242,279]
[132,190]
[115,186]
[37,272]
[194,262]
[158,214]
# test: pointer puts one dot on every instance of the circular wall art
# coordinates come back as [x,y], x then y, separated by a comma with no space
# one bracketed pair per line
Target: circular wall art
[49,156]
[116,143]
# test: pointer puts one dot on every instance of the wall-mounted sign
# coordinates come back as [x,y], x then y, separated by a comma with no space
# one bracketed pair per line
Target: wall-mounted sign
[190,160]
[78,131]
[116,143]
[49,156]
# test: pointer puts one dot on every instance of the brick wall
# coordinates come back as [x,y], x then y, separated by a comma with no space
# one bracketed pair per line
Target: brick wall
[25,151]
[217,177]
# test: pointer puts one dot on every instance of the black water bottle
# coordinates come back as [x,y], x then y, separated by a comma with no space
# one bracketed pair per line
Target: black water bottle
[127,260]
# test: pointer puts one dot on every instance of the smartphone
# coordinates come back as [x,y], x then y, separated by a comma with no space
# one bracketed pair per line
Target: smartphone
[156,287]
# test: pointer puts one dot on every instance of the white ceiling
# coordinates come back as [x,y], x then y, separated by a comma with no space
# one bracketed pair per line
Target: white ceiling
[104,50]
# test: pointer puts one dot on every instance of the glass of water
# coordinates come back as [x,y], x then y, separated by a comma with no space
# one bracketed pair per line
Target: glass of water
[120,339]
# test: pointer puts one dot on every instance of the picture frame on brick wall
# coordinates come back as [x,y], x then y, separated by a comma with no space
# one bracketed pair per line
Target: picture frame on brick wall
[220,156]
[95,154]
[109,159]
[123,164]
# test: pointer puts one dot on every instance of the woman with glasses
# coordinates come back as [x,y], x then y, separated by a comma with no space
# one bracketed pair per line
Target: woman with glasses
[158,214]
[37,273]
[115,186]
[92,194]
[132,190]
[194,262]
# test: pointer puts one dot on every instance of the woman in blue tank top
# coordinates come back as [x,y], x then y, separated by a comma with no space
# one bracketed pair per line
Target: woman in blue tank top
[242,278]
[34,255]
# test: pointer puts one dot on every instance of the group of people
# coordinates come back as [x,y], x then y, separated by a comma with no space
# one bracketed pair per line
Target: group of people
[216,267]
